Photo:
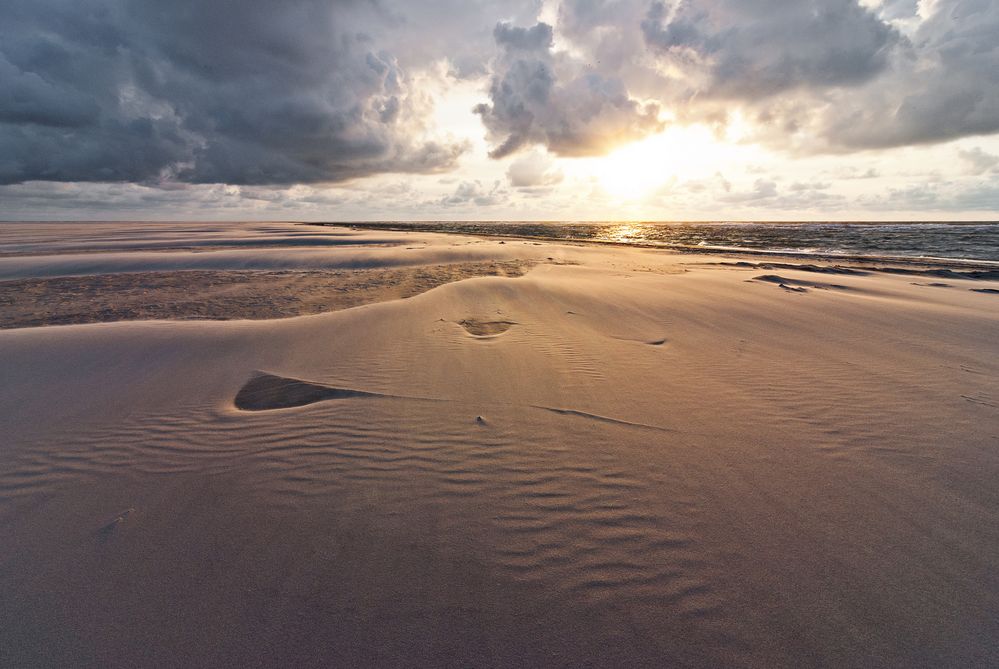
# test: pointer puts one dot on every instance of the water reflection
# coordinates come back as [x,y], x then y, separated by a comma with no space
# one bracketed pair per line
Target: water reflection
[623,232]
[973,241]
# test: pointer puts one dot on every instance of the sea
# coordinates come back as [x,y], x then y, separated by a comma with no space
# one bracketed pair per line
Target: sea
[973,242]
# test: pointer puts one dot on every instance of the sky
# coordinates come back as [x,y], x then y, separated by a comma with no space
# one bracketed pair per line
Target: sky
[488,110]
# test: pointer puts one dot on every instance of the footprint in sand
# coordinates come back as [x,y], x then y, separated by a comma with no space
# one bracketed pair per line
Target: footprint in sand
[478,328]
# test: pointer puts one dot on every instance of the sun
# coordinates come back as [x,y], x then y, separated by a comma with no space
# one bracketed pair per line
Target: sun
[640,169]
[633,170]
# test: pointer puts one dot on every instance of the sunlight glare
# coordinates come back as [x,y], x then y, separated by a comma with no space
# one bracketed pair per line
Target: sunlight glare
[638,170]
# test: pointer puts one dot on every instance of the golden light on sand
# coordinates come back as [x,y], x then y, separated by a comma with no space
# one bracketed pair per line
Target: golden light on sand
[338,444]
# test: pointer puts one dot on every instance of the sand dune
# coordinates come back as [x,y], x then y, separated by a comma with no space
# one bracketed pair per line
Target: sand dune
[636,459]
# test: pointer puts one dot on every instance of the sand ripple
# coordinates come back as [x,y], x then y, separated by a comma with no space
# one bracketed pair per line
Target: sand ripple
[577,523]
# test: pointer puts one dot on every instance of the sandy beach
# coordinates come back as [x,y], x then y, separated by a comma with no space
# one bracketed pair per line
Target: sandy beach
[486,452]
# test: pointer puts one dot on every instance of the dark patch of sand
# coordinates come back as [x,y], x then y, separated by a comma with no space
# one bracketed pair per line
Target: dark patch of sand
[817,269]
[867,269]
[797,285]
[223,295]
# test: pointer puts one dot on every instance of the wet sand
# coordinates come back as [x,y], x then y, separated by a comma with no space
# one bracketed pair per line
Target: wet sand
[620,457]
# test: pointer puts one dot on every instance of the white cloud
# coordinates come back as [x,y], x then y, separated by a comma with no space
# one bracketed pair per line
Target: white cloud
[978,161]
[533,170]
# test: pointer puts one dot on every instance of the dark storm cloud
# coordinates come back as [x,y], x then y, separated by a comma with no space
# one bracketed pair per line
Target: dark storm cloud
[539,96]
[536,38]
[751,49]
[301,91]
[946,86]
[221,91]
[821,75]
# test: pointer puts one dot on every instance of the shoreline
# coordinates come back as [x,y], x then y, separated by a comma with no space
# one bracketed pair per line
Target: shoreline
[278,280]
[965,263]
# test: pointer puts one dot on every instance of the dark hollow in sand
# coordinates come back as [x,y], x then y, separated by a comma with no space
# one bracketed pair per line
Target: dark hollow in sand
[485,328]
[265,392]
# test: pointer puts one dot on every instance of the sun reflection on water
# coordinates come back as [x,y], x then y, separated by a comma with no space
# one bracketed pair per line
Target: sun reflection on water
[622,232]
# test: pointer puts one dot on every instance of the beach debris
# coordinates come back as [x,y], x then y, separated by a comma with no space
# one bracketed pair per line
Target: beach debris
[107,530]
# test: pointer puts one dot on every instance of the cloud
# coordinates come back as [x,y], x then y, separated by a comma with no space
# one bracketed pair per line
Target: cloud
[805,186]
[763,189]
[893,10]
[943,85]
[754,49]
[984,197]
[473,192]
[765,195]
[979,162]
[281,92]
[918,197]
[539,96]
[266,92]
[852,173]
[533,170]
[754,199]
[536,38]
[830,75]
